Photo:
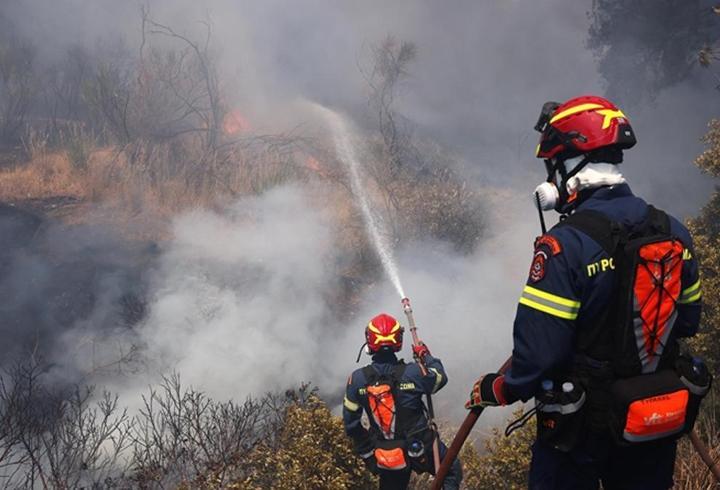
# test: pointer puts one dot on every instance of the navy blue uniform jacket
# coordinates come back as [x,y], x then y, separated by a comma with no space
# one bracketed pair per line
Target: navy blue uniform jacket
[411,388]
[572,283]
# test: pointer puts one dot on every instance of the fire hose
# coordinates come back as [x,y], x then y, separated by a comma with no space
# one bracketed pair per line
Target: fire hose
[423,369]
[472,417]
[704,454]
[462,434]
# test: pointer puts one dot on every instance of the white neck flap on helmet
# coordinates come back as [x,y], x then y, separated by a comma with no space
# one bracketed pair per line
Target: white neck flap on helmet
[595,175]
[592,175]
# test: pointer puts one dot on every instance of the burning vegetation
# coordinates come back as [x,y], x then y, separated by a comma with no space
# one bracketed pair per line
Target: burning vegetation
[130,141]
[99,153]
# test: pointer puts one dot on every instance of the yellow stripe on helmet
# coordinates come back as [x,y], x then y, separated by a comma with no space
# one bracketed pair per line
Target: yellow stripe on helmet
[377,331]
[574,110]
[384,338]
[609,115]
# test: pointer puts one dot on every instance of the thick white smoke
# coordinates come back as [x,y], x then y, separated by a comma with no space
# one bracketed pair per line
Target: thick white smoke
[238,303]
[464,305]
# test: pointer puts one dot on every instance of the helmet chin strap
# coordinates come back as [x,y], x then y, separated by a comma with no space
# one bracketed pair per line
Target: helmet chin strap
[558,167]
[362,347]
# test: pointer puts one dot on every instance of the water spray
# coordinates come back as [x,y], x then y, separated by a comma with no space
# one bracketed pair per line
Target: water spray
[346,152]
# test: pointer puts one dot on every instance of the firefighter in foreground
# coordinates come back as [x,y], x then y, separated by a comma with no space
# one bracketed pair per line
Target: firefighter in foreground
[399,439]
[611,290]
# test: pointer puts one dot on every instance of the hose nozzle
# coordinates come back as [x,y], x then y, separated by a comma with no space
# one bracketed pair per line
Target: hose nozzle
[406,305]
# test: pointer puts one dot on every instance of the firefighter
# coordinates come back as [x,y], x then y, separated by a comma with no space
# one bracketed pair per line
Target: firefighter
[390,393]
[611,289]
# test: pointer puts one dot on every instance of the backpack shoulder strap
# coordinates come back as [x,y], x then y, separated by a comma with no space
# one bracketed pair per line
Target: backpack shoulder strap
[657,221]
[398,371]
[597,226]
[371,375]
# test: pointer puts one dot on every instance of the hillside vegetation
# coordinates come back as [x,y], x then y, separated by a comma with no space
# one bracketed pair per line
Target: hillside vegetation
[130,139]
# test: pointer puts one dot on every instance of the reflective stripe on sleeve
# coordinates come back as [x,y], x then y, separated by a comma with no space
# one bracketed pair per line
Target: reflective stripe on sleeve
[691,294]
[438,379]
[350,405]
[549,303]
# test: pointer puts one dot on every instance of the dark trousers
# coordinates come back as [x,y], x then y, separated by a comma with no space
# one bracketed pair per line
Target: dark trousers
[647,466]
[398,480]
[392,480]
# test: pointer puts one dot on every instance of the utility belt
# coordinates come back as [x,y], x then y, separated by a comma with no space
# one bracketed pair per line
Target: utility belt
[413,451]
[634,410]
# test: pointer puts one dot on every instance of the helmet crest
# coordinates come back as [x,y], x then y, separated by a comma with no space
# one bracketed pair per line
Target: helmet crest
[581,125]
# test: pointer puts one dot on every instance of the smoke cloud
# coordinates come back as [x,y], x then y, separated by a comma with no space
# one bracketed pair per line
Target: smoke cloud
[238,299]
[238,305]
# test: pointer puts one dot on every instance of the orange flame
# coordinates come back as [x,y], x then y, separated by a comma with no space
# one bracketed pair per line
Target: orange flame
[234,123]
[314,165]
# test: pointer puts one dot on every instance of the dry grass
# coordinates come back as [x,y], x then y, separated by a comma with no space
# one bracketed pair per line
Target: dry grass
[47,175]
[691,473]
[144,184]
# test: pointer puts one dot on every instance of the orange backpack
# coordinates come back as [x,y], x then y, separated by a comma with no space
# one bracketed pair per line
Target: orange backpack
[650,397]
[388,419]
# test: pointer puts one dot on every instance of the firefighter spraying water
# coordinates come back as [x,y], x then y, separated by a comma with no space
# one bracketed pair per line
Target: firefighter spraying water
[402,436]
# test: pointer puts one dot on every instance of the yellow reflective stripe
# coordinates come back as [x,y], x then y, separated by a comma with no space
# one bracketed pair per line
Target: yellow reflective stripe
[548,309]
[550,303]
[691,294]
[350,405]
[574,110]
[384,338]
[551,297]
[377,331]
[692,288]
[609,115]
[438,379]
[691,299]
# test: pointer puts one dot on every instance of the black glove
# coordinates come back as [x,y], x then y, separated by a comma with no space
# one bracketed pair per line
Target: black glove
[488,391]
[371,464]
[365,449]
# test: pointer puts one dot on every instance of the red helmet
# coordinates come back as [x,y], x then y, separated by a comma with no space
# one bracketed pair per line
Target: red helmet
[384,332]
[582,125]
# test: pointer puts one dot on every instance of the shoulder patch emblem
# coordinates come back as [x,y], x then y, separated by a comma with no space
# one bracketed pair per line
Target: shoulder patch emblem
[550,242]
[537,269]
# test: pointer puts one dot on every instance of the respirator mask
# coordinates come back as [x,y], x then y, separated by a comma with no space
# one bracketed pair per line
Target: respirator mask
[546,196]
[557,191]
